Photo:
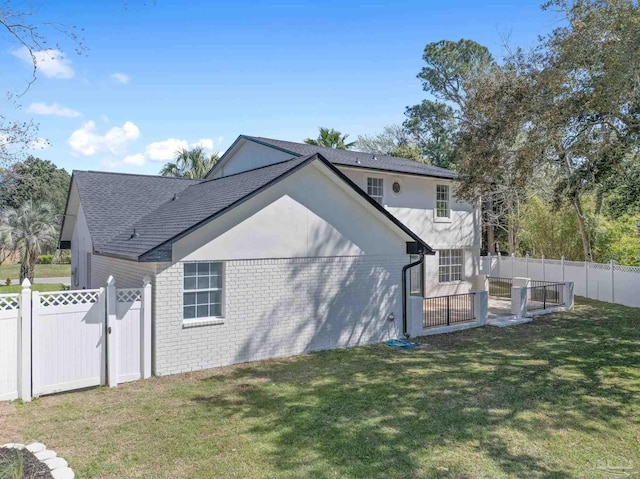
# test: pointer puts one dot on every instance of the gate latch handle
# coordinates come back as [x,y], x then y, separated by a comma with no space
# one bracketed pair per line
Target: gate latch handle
[109,329]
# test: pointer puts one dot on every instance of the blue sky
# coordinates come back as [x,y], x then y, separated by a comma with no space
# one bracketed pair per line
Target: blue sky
[161,75]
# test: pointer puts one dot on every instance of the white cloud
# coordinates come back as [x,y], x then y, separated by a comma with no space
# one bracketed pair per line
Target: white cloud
[121,78]
[206,143]
[85,141]
[39,144]
[53,109]
[51,63]
[165,150]
[138,159]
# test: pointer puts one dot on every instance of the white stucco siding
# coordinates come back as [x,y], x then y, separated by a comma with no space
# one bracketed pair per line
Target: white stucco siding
[433,286]
[415,206]
[248,155]
[81,248]
[282,307]
[311,213]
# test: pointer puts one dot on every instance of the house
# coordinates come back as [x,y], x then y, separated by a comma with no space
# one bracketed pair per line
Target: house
[284,248]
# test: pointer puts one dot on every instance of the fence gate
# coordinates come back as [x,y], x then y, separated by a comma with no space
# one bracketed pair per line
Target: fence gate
[68,340]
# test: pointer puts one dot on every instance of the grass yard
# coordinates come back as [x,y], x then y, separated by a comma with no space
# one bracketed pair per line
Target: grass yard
[16,288]
[556,398]
[42,271]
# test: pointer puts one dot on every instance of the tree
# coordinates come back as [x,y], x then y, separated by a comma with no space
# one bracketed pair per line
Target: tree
[29,229]
[194,163]
[393,141]
[433,128]
[496,147]
[433,124]
[34,179]
[32,40]
[331,138]
[589,113]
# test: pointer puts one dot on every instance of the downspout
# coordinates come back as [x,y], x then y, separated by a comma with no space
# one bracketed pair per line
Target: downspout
[405,268]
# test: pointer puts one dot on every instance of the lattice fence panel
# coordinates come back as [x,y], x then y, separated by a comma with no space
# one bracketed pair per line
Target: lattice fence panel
[574,263]
[69,298]
[128,295]
[9,302]
[627,269]
[552,261]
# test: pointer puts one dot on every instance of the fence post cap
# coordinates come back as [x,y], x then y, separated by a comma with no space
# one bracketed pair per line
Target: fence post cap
[146,280]
[111,281]
[26,283]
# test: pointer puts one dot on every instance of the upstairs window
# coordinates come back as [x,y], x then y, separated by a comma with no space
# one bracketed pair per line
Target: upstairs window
[375,189]
[450,265]
[202,290]
[442,201]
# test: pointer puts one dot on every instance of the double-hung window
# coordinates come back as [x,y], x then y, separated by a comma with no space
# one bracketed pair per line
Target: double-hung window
[442,201]
[202,290]
[375,189]
[450,265]
[415,277]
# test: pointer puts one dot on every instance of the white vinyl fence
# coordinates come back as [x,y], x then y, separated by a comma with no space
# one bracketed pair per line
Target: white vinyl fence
[9,345]
[602,281]
[63,340]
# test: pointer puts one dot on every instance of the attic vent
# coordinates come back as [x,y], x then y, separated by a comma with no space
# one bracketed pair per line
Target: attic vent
[134,234]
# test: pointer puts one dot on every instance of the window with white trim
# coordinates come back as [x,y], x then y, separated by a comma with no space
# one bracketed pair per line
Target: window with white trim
[415,277]
[442,201]
[202,290]
[375,189]
[450,265]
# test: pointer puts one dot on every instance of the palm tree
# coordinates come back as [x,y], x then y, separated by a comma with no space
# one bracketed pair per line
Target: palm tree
[194,163]
[331,139]
[29,229]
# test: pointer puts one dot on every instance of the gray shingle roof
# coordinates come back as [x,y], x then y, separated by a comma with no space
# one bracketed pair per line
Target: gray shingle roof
[358,159]
[112,201]
[201,201]
[138,217]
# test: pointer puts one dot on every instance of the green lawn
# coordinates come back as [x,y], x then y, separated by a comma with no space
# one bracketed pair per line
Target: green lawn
[42,271]
[556,398]
[16,288]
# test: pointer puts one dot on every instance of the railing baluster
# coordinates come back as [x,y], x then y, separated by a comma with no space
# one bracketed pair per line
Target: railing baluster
[448,310]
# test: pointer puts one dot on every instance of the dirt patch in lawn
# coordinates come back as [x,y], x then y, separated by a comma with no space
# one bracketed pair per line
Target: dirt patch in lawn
[10,430]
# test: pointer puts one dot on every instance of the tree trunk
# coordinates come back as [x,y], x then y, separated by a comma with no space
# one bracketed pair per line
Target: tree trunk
[599,201]
[586,243]
[28,265]
[491,232]
[24,267]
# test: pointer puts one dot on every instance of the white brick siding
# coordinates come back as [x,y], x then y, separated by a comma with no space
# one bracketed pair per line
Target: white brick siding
[281,307]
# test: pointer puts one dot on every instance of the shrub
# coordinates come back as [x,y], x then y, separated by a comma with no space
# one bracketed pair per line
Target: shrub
[62,256]
[8,282]
[45,259]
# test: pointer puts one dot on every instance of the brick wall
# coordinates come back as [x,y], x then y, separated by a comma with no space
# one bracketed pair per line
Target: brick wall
[279,308]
